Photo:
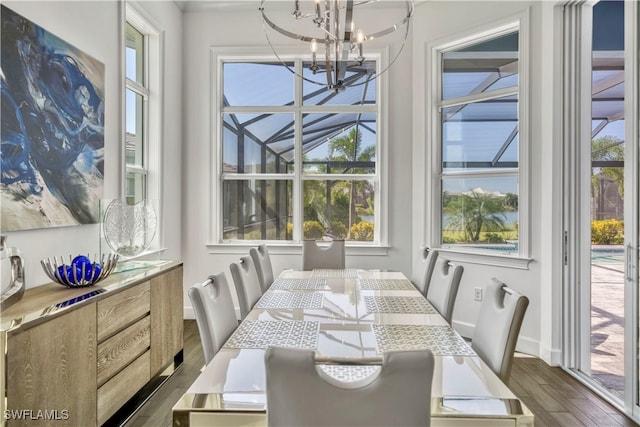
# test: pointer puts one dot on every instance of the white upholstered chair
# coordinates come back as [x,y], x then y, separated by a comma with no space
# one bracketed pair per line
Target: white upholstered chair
[262,262]
[301,394]
[331,255]
[245,279]
[215,315]
[423,269]
[443,286]
[496,332]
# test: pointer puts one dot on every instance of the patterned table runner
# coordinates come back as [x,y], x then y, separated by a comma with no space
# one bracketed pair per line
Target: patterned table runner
[349,273]
[262,334]
[290,300]
[442,340]
[386,284]
[349,374]
[299,284]
[395,304]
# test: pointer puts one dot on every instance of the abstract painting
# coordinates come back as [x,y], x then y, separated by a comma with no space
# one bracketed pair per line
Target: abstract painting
[52,134]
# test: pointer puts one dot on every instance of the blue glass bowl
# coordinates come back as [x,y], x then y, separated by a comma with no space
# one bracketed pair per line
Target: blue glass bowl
[80,271]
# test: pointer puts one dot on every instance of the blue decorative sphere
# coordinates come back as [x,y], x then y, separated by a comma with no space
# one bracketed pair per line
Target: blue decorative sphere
[66,274]
[80,261]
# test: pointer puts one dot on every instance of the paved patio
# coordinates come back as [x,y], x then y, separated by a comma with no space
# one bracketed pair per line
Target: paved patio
[607,322]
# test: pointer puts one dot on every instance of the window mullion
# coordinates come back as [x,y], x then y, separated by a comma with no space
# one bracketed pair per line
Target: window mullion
[298,185]
[137,88]
[479,97]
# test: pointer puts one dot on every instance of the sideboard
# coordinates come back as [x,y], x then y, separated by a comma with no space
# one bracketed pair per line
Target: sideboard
[83,356]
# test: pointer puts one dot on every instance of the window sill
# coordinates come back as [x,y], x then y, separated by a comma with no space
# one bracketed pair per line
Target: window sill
[293,249]
[520,263]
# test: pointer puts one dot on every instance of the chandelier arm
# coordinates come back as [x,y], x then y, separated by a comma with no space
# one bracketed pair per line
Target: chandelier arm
[389,30]
[284,32]
[292,71]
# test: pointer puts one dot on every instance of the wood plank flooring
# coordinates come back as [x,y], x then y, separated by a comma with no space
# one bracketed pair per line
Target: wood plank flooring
[555,397]
[558,399]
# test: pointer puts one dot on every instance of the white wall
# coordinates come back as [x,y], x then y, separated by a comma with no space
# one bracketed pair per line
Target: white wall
[94,27]
[436,21]
[243,27]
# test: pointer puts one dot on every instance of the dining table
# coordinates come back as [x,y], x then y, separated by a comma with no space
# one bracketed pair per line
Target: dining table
[349,314]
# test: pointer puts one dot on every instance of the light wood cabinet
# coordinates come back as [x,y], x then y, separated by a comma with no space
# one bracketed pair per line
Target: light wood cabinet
[82,355]
[52,365]
[166,319]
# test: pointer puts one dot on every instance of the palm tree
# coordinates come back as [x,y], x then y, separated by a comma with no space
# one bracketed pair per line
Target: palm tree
[608,148]
[349,148]
[474,211]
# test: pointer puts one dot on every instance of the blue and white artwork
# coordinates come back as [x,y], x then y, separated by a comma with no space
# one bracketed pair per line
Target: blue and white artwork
[52,157]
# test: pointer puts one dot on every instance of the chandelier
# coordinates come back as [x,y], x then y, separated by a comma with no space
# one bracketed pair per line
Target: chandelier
[336,43]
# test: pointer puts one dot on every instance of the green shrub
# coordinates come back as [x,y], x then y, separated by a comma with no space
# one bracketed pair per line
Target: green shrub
[362,231]
[607,232]
[338,229]
[313,230]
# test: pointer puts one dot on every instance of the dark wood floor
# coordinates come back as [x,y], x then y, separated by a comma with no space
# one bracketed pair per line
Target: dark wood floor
[555,397]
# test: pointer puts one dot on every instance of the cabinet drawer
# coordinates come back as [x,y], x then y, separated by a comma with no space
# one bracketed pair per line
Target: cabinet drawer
[119,389]
[121,309]
[121,349]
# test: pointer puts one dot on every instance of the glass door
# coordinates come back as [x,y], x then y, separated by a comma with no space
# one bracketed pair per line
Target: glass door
[606,254]
[632,207]
[601,129]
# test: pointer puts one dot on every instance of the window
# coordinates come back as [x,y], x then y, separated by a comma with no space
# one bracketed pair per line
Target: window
[297,161]
[142,112]
[479,144]
[136,124]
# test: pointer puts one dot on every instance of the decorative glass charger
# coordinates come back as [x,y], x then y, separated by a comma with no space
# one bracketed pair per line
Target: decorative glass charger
[129,229]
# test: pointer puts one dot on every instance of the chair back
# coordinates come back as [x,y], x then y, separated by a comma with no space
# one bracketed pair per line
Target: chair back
[245,278]
[443,286]
[215,315]
[496,332]
[329,256]
[423,269]
[300,393]
[262,261]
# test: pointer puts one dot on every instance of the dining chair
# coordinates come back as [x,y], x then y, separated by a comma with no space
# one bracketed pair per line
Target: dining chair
[262,261]
[329,256]
[300,393]
[245,279]
[443,286]
[215,315]
[423,269]
[496,331]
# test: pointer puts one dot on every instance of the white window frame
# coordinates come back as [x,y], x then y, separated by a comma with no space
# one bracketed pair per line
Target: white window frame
[220,55]
[152,114]
[434,152]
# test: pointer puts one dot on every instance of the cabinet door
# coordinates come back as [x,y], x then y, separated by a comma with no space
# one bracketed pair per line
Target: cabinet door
[166,318]
[49,366]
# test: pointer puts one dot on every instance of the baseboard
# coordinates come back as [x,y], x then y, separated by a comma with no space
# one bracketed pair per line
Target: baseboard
[553,357]
[188,313]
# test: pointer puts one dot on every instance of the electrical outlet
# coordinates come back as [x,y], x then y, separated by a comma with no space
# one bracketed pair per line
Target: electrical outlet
[477,294]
